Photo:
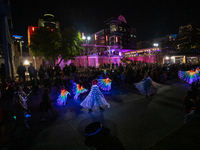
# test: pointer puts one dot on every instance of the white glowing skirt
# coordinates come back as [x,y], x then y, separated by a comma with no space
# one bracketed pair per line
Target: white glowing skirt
[94,99]
[147,89]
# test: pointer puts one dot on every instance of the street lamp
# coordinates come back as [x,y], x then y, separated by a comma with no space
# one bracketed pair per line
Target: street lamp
[86,42]
[109,56]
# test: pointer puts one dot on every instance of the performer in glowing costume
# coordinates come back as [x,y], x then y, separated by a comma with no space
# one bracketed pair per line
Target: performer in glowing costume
[189,76]
[147,86]
[77,90]
[104,84]
[62,99]
[94,98]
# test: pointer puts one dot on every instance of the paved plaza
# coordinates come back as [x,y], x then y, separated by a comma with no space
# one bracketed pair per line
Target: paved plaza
[137,121]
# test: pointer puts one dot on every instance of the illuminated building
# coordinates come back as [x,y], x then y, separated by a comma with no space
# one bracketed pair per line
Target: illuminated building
[6,41]
[116,33]
[48,21]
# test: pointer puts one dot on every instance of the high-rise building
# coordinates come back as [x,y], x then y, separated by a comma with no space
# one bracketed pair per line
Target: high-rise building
[48,21]
[6,41]
[118,32]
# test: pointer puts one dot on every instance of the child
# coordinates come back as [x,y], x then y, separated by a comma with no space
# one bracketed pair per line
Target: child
[62,99]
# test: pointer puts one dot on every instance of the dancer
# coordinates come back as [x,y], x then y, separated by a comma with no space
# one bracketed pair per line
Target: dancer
[147,86]
[94,98]
[78,89]
[104,84]
[62,99]
[189,76]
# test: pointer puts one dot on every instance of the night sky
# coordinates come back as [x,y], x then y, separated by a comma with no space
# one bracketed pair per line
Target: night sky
[152,19]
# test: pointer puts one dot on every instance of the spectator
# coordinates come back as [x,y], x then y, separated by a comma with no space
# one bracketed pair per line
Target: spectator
[57,69]
[31,71]
[35,85]
[58,83]
[41,74]
[99,137]
[45,104]
[50,73]
[21,71]
[47,83]
[189,102]
[19,110]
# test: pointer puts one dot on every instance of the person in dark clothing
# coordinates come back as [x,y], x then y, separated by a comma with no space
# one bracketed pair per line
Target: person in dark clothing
[98,137]
[66,83]
[45,104]
[58,83]
[31,71]
[35,85]
[57,69]
[66,70]
[47,83]
[73,70]
[41,74]
[189,102]
[10,84]
[19,110]
[21,71]
[50,73]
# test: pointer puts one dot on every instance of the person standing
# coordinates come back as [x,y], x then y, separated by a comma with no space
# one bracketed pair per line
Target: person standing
[47,83]
[50,73]
[20,109]
[41,74]
[21,71]
[35,85]
[189,102]
[57,69]
[65,70]
[58,83]
[45,104]
[31,71]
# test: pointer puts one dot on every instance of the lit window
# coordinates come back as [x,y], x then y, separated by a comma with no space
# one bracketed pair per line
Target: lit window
[131,35]
[124,29]
[134,36]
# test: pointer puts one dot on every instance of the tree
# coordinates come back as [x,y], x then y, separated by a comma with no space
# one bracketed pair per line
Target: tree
[52,45]
[71,44]
[45,43]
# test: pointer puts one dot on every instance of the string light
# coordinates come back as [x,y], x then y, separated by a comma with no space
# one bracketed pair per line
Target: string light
[189,76]
[77,90]
[94,99]
[104,84]
[62,99]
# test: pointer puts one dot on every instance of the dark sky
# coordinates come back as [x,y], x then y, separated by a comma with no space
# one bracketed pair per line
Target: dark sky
[151,18]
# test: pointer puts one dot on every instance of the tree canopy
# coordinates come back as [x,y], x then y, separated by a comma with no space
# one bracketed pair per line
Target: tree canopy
[52,45]
[71,44]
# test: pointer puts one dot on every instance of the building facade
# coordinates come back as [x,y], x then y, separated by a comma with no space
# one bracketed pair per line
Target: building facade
[6,40]
[49,21]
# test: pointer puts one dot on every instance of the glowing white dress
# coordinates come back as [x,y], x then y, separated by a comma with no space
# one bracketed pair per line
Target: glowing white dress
[147,86]
[94,99]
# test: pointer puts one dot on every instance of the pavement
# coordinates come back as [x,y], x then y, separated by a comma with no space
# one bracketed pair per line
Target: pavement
[137,121]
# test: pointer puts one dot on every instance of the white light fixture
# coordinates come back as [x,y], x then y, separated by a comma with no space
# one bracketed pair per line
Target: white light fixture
[88,38]
[155,44]
[172,57]
[167,57]
[83,37]
[26,62]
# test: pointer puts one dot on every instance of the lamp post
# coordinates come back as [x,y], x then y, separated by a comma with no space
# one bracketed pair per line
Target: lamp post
[109,57]
[86,41]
